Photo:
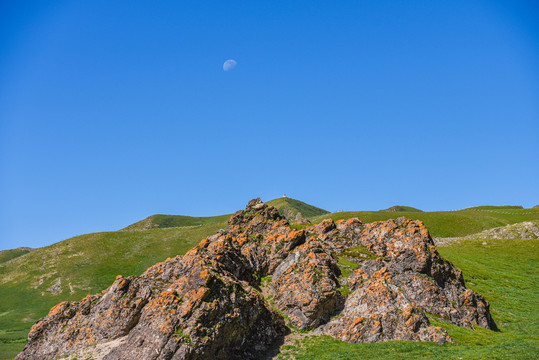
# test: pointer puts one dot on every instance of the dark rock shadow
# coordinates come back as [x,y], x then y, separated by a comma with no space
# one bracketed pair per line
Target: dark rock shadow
[275,347]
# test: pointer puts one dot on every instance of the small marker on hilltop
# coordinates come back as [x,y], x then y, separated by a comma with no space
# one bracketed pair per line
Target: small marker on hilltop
[284,195]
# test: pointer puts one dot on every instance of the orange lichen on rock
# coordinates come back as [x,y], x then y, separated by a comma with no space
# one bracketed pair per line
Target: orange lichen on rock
[58,308]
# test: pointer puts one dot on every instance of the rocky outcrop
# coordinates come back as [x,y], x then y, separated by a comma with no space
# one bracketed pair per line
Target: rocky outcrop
[233,295]
[392,293]
[377,310]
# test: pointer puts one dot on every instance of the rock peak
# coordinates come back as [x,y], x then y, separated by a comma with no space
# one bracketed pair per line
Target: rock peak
[257,217]
[253,203]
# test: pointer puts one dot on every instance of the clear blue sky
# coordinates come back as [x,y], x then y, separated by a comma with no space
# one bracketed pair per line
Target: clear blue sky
[111,111]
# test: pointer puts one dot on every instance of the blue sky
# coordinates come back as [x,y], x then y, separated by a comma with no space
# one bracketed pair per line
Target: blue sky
[111,111]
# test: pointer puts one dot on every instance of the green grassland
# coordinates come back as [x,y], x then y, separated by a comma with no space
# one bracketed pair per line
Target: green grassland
[504,271]
[89,263]
[6,255]
[160,221]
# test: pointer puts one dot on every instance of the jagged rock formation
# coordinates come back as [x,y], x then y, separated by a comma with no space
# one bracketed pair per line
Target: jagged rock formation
[392,293]
[233,294]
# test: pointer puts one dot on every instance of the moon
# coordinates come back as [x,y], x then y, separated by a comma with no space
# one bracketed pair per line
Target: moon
[229,64]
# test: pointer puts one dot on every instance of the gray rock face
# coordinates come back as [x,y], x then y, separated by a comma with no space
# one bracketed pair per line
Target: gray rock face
[305,285]
[208,304]
[392,293]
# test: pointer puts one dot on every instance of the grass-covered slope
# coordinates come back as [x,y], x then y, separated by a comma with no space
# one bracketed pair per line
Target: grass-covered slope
[160,221]
[504,271]
[6,255]
[294,209]
[402,208]
[493,207]
[30,285]
[290,208]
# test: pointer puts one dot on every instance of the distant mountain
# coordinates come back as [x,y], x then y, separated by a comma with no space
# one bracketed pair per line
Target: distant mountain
[6,255]
[294,209]
[160,221]
[85,264]
[493,207]
[402,208]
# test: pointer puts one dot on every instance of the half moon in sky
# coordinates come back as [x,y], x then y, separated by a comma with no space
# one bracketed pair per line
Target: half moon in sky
[229,64]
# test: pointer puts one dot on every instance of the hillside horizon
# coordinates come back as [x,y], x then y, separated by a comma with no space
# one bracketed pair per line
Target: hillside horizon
[281,203]
[86,264]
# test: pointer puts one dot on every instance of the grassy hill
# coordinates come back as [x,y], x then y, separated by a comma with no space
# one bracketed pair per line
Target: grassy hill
[294,209]
[160,221]
[6,255]
[290,208]
[402,208]
[86,264]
